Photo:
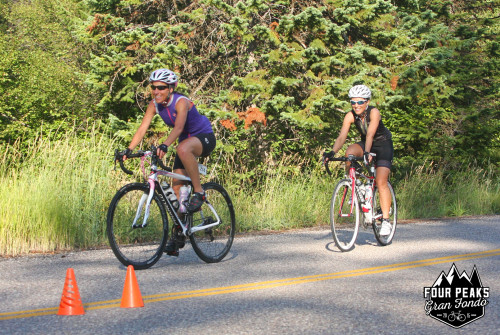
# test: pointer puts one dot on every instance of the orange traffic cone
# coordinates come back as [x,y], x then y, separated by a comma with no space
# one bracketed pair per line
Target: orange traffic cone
[131,296]
[71,304]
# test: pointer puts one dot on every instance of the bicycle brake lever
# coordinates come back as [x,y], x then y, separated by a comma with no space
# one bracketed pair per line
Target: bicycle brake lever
[327,168]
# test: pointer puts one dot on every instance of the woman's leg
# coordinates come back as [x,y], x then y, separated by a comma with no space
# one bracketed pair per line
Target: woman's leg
[188,151]
[383,190]
[354,149]
[176,183]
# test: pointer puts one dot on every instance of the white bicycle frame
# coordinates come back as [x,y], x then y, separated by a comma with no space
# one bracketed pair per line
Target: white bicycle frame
[152,179]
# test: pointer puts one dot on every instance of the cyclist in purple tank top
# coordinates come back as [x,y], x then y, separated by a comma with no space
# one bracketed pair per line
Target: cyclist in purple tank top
[193,130]
[195,122]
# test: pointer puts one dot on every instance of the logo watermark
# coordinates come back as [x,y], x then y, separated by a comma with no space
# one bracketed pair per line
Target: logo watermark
[456,299]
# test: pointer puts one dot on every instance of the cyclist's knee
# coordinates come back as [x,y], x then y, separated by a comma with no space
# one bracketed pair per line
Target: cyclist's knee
[189,148]
[184,150]
[383,174]
[382,185]
[354,149]
[382,181]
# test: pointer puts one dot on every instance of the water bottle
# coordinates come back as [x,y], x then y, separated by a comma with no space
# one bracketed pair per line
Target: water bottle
[361,189]
[169,192]
[183,197]
[368,199]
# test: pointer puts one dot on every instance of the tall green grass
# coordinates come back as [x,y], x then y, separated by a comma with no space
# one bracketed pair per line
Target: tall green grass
[284,198]
[56,196]
[428,193]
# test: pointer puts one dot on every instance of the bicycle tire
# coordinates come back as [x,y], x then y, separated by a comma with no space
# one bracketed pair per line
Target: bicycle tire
[213,244]
[139,247]
[345,226]
[393,216]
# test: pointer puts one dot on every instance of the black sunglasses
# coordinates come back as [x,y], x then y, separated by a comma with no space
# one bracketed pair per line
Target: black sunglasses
[161,88]
[358,102]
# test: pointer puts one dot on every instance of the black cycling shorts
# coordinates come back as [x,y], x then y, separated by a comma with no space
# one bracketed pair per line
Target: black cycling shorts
[207,142]
[384,151]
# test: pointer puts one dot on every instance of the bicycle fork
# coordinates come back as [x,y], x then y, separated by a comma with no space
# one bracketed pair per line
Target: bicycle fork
[145,198]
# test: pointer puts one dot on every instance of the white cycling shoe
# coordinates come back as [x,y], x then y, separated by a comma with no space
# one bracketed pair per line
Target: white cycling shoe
[385,228]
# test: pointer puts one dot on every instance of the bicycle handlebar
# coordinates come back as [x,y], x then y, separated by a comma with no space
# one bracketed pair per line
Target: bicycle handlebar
[350,158]
[154,159]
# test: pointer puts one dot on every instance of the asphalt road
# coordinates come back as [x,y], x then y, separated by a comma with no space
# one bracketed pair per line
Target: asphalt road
[283,283]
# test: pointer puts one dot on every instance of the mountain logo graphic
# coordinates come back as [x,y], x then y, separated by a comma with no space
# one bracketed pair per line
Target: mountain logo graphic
[456,299]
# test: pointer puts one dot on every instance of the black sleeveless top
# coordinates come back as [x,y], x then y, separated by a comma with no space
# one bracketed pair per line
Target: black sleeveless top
[382,133]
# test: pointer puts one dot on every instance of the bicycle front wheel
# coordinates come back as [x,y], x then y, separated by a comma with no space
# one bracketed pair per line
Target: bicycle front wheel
[344,215]
[135,241]
[393,216]
[212,244]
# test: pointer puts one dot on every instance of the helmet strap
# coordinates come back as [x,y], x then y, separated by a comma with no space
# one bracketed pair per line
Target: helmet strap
[360,116]
[169,97]
[363,114]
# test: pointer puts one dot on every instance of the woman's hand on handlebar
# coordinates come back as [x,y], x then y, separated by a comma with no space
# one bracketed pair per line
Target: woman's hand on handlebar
[121,156]
[327,155]
[368,157]
[161,150]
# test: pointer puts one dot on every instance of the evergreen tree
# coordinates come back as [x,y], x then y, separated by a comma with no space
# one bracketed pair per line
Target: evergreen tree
[272,75]
[41,79]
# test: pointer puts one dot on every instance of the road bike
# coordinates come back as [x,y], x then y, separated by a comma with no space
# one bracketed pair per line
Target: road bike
[137,220]
[457,316]
[355,194]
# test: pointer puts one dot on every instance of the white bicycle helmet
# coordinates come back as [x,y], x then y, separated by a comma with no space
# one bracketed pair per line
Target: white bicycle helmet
[360,91]
[164,75]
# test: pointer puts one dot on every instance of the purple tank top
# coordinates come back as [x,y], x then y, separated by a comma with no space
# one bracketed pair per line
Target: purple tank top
[195,122]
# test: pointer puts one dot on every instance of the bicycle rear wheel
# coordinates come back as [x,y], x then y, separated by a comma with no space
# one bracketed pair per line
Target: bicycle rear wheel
[140,245]
[345,225]
[393,216]
[213,244]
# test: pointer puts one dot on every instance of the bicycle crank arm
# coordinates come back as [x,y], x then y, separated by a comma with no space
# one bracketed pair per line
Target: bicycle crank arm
[378,216]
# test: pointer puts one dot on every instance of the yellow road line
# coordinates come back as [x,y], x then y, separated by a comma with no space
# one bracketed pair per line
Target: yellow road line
[262,285]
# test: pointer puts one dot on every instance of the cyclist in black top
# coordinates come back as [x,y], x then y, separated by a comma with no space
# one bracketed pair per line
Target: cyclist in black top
[376,138]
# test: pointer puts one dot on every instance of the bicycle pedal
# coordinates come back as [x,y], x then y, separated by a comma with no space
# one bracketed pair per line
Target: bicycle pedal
[173,253]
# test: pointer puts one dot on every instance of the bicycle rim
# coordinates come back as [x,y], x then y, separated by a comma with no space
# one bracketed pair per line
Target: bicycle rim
[393,215]
[345,225]
[142,246]
[213,244]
